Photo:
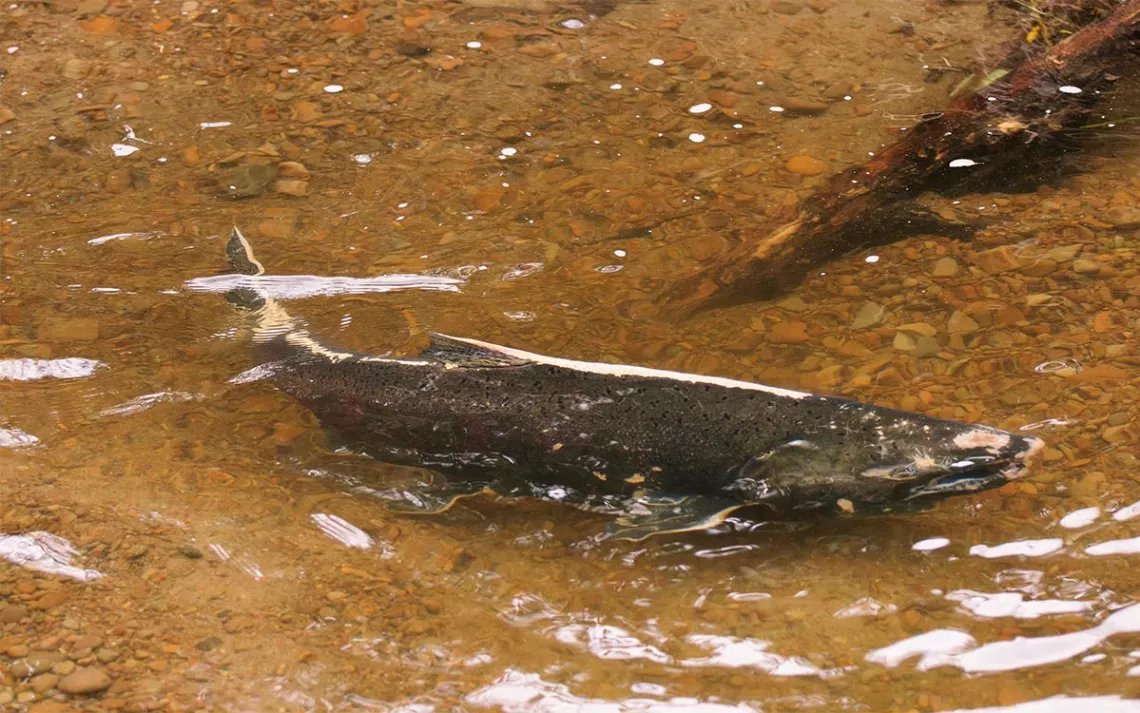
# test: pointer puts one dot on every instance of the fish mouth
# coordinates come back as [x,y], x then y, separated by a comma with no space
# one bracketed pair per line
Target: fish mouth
[975,472]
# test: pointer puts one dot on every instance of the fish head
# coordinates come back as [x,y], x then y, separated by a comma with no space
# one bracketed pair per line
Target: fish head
[873,460]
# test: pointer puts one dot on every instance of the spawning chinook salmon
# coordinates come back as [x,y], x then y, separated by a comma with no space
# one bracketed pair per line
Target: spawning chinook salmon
[676,452]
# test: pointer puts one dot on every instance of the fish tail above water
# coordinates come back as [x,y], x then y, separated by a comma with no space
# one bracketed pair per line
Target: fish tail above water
[273,324]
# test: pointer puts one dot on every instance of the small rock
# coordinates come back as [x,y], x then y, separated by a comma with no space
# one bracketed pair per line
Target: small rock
[1115,434]
[89,8]
[926,345]
[85,680]
[868,315]
[961,323]
[292,187]
[788,333]
[244,179]
[806,166]
[209,644]
[87,641]
[76,68]
[997,260]
[106,655]
[6,115]
[945,267]
[190,552]
[785,7]
[1102,322]
[80,330]
[1040,267]
[12,614]
[1084,266]
[305,111]
[904,342]
[63,668]
[191,155]
[292,169]
[44,682]
[100,25]
[1062,253]
[793,304]
[489,199]
[1123,217]
[923,328]
[803,107]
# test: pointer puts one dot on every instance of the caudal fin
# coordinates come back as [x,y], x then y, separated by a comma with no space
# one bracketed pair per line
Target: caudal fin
[243,262]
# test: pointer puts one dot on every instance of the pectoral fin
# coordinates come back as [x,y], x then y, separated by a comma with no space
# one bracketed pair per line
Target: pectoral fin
[435,499]
[664,514]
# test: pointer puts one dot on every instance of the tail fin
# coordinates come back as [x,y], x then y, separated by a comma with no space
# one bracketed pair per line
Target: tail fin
[274,326]
[272,319]
[243,262]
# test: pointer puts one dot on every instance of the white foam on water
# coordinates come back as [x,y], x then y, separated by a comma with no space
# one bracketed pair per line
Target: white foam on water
[736,652]
[302,286]
[930,544]
[941,642]
[44,552]
[103,239]
[1064,704]
[1021,548]
[342,530]
[1127,512]
[956,648]
[1013,604]
[520,692]
[1080,518]
[146,401]
[15,438]
[36,369]
[1129,546]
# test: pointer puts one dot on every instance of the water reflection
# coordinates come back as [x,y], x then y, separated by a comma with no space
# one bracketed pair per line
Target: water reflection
[302,286]
[528,693]
[948,647]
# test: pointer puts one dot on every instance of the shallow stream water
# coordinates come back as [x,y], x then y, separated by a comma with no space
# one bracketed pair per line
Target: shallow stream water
[533,174]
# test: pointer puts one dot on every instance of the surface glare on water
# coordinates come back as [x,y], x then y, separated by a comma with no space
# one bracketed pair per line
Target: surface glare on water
[533,174]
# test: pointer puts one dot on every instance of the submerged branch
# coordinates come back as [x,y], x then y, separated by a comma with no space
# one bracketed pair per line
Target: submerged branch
[1025,113]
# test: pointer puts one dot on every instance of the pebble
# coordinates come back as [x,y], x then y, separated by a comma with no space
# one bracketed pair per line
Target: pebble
[961,323]
[922,328]
[998,260]
[1115,434]
[786,7]
[806,165]
[803,107]
[926,345]
[44,682]
[868,315]
[945,267]
[904,342]
[76,68]
[788,333]
[1084,266]
[12,614]
[85,680]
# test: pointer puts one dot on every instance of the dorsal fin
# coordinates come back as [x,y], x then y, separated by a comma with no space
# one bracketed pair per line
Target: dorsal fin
[461,353]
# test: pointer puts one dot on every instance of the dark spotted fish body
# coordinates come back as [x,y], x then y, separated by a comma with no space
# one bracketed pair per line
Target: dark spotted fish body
[492,416]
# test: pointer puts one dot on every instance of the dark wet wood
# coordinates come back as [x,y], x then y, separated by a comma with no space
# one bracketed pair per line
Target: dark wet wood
[1016,125]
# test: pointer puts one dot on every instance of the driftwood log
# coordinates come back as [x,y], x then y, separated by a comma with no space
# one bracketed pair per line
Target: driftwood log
[1020,116]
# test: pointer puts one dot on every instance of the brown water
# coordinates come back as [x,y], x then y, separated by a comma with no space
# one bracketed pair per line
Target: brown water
[549,169]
